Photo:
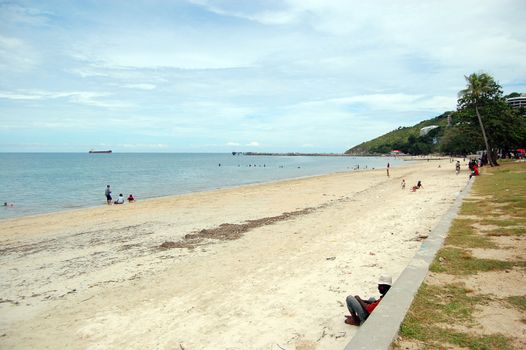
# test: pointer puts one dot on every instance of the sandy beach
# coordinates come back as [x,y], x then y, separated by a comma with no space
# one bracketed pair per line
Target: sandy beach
[264,266]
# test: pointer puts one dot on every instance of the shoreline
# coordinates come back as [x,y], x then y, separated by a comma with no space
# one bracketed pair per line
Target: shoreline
[99,277]
[256,183]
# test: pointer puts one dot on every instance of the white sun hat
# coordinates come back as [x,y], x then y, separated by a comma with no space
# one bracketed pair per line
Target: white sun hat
[385,279]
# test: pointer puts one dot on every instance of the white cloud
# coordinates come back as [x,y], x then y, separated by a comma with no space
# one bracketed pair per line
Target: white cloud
[290,74]
[142,86]
[89,98]
[23,15]
[16,54]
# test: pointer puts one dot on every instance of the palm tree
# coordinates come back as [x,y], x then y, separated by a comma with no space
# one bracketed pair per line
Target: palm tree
[479,88]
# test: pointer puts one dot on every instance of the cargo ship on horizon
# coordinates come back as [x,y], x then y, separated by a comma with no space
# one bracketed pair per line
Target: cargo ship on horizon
[92,151]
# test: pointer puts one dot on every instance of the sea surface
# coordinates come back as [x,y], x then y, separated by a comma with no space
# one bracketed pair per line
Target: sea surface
[38,183]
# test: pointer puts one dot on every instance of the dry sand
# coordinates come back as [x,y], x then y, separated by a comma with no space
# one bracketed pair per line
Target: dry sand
[168,274]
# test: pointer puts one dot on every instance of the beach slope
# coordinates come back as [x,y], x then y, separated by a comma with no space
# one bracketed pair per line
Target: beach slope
[263,266]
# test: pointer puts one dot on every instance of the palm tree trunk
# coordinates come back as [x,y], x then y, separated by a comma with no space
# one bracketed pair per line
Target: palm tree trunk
[488,150]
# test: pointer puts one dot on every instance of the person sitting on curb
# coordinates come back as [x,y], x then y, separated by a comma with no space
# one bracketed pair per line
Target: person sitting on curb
[361,309]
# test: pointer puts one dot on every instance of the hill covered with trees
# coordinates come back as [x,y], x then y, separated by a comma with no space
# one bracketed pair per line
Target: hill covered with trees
[482,121]
[407,139]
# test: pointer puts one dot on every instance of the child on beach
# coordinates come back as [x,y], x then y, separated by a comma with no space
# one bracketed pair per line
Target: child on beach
[418,185]
[403,184]
[130,198]
[361,309]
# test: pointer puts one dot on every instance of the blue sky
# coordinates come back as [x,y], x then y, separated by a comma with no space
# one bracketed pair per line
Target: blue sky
[221,76]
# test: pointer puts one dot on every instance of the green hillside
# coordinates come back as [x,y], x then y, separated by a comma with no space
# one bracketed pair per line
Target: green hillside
[406,139]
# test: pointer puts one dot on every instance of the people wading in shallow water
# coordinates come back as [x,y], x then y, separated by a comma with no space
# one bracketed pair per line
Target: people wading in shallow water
[107,193]
[120,199]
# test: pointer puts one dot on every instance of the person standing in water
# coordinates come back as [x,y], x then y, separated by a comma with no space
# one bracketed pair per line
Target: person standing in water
[107,193]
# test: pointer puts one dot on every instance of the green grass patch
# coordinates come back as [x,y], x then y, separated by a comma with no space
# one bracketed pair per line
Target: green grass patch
[441,304]
[508,231]
[462,234]
[436,307]
[476,342]
[443,337]
[475,208]
[461,262]
[518,301]
[447,304]
[502,223]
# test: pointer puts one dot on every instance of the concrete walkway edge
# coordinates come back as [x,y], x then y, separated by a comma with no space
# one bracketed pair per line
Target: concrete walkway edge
[382,327]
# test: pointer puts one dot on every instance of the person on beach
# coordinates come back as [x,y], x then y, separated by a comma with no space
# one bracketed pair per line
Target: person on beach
[120,199]
[418,186]
[131,198]
[388,170]
[107,193]
[474,171]
[457,167]
[361,309]
[403,184]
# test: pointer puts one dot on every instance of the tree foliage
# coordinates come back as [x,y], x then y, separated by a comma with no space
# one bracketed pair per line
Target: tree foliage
[481,105]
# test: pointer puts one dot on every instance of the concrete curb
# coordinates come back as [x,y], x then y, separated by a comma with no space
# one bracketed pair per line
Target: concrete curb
[382,327]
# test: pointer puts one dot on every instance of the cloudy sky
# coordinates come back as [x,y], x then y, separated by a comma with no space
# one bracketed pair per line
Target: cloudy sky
[221,76]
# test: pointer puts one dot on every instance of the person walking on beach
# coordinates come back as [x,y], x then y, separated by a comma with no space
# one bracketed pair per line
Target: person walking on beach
[457,167]
[361,309]
[403,184]
[107,193]
[388,170]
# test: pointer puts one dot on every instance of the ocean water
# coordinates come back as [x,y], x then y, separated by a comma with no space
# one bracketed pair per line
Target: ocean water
[40,183]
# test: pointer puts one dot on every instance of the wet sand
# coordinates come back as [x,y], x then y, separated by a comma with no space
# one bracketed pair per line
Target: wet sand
[255,267]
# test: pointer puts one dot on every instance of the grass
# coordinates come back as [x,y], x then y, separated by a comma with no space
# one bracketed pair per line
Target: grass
[474,208]
[503,223]
[518,301]
[508,231]
[443,314]
[461,262]
[462,234]
[447,304]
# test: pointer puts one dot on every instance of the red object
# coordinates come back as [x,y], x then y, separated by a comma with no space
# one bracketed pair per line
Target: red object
[476,170]
[521,150]
[372,306]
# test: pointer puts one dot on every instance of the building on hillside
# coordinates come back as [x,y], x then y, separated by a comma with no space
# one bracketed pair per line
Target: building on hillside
[517,102]
[425,130]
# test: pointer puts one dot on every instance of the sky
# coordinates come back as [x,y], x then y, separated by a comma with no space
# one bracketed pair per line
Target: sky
[261,76]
